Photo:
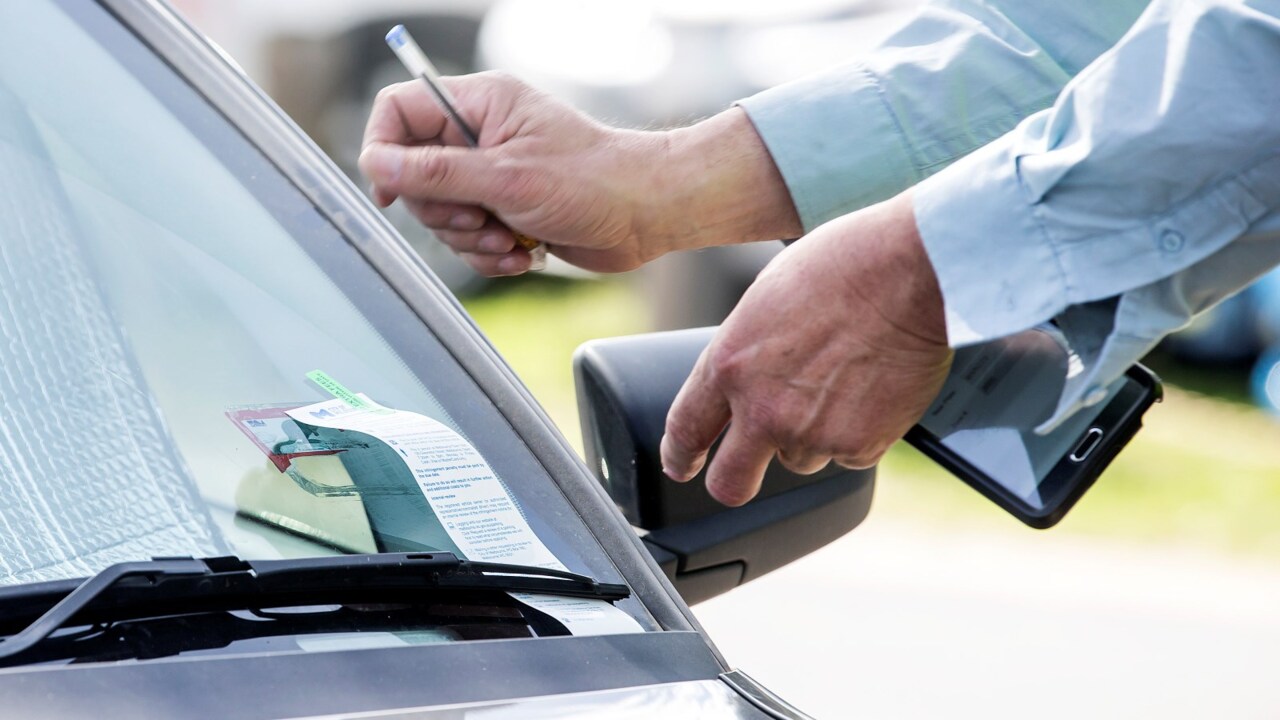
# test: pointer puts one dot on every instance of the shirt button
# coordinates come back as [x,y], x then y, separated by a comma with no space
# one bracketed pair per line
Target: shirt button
[1094,395]
[1171,241]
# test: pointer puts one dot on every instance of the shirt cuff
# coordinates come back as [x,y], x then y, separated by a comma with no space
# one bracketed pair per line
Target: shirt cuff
[835,141]
[997,269]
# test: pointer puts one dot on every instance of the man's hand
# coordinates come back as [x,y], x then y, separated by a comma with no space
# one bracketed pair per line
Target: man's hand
[602,198]
[833,354]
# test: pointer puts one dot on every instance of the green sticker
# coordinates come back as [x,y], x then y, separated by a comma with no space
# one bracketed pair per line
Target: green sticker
[339,391]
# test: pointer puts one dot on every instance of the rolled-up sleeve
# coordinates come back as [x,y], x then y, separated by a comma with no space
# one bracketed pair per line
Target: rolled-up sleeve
[959,75]
[1128,191]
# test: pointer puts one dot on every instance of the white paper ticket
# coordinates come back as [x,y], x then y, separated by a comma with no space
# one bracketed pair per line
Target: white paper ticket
[475,508]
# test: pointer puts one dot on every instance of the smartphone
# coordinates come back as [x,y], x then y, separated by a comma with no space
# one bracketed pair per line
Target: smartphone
[982,425]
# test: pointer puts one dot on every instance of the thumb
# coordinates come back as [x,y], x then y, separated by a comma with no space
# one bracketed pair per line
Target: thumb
[432,172]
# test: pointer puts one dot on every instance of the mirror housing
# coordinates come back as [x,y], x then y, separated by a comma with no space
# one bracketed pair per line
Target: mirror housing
[625,387]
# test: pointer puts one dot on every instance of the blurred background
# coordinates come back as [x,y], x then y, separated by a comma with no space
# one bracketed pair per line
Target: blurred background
[1158,595]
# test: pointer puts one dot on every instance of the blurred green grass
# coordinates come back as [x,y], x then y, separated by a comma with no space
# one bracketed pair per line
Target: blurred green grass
[1204,473]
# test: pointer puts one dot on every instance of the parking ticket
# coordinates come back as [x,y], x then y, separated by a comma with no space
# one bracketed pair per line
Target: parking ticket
[470,502]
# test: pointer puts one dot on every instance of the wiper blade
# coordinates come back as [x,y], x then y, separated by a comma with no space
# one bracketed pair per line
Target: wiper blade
[167,586]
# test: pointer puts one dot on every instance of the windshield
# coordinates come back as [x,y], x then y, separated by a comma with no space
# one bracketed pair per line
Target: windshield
[166,300]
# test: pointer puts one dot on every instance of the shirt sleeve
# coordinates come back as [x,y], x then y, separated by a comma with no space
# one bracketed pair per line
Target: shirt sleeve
[1144,194]
[959,75]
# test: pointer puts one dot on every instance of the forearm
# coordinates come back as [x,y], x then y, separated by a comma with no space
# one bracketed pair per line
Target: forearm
[719,186]
[958,76]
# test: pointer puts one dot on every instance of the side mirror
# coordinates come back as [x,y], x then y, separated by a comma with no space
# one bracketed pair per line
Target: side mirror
[625,388]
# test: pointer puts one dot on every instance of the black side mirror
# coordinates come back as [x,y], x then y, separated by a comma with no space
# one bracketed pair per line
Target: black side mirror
[625,388]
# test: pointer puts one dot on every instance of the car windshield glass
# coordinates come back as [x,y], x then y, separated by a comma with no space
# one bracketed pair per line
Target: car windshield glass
[165,298]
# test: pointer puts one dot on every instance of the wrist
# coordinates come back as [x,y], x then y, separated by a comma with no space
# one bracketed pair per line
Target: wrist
[716,184]
[896,274]
[885,268]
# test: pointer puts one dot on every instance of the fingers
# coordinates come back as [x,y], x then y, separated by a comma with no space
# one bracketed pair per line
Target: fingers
[407,114]
[738,469]
[480,240]
[493,239]
[489,249]
[858,462]
[515,262]
[439,173]
[412,149]
[382,199]
[452,216]
[697,417]
[802,462]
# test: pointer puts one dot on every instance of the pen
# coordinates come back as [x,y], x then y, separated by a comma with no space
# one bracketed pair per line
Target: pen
[416,62]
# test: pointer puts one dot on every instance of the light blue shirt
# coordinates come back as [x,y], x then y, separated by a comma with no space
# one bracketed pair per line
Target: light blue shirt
[1106,164]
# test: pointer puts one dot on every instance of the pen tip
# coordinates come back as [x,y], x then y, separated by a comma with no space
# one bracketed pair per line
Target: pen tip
[395,36]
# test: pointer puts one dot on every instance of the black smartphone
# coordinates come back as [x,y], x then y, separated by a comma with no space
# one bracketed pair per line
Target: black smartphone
[982,425]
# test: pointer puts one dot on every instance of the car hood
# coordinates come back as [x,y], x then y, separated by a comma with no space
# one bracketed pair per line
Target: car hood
[704,699]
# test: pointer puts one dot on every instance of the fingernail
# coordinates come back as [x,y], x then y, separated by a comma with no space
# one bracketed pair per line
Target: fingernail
[382,162]
[494,243]
[511,265]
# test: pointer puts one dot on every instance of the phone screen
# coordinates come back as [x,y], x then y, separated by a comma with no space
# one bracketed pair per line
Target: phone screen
[995,396]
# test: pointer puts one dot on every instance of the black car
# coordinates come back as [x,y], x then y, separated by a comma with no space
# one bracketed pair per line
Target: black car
[257,462]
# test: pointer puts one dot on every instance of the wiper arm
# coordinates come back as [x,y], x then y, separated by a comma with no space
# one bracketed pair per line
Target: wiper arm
[75,601]
[167,586]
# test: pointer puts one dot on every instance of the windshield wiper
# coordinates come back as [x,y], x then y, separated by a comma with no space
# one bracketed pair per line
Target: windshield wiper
[171,586]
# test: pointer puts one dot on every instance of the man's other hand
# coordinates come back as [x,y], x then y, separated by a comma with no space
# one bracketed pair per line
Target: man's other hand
[833,353]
